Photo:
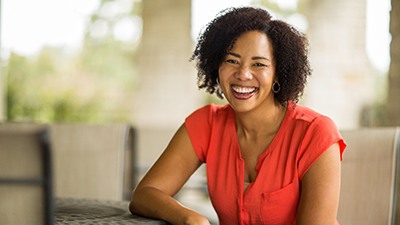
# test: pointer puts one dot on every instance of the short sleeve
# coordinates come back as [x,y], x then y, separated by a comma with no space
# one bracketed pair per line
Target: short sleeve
[321,134]
[198,125]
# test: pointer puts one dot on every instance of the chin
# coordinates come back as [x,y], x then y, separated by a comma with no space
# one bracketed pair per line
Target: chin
[243,107]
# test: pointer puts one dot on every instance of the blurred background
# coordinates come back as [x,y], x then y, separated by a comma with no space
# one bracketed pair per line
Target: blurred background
[127,61]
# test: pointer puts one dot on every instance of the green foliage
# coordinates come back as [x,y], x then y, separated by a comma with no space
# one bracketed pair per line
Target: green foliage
[31,96]
[95,84]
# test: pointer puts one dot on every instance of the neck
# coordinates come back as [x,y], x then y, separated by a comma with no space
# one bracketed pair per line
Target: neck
[261,123]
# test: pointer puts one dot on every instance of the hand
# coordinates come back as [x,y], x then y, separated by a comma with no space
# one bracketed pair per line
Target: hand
[195,219]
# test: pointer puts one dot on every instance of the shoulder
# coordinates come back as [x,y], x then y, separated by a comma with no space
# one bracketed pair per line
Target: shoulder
[208,112]
[310,118]
[199,126]
[309,125]
[205,117]
[316,134]
[214,108]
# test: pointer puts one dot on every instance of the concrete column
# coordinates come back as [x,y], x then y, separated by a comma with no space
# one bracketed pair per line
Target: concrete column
[167,90]
[342,80]
[393,99]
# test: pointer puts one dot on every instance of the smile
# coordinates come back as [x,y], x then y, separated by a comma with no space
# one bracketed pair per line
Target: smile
[243,93]
[243,90]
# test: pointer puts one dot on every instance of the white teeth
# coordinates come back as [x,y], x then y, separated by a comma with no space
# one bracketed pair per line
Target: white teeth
[243,90]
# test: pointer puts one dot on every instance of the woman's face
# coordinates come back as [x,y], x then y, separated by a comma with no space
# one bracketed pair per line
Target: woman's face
[247,72]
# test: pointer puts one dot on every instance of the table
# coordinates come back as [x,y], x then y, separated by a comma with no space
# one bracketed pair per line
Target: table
[89,211]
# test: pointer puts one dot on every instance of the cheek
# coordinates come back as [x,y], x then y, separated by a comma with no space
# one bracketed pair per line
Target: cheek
[268,76]
[223,78]
[221,69]
[222,73]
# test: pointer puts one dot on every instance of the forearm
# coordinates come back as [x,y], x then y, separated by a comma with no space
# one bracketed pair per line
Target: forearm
[151,202]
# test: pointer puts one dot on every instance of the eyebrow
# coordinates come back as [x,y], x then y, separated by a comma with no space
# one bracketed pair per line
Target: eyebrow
[254,57]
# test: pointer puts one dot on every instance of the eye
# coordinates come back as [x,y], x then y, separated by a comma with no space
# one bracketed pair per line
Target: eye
[232,61]
[259,65]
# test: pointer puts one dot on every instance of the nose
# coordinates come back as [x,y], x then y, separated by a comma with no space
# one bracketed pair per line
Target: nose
[244,73]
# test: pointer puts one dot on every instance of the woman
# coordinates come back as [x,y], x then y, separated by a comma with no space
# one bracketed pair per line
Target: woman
[269,160]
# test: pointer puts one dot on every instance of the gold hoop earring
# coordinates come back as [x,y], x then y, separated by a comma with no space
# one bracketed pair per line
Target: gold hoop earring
[276,87]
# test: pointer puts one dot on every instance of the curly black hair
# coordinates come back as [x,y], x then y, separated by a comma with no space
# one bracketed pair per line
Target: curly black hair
[290,50]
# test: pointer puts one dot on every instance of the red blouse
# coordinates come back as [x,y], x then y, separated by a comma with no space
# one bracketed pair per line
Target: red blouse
[273,197]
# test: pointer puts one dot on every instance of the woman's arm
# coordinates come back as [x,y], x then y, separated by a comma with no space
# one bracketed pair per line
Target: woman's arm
[153,195]
[320,190]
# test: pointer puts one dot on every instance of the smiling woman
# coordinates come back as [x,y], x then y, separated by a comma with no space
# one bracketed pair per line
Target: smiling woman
[291,77]
[269,160]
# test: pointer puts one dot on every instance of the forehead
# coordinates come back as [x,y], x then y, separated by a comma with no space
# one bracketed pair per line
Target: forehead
[252,42]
